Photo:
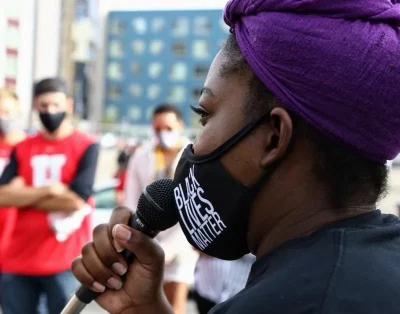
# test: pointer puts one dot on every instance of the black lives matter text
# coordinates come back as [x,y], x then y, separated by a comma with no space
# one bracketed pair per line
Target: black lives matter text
[197,213]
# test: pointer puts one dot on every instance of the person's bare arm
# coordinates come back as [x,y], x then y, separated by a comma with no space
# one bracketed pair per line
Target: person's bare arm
[17,194]
[13,191]
[66,201]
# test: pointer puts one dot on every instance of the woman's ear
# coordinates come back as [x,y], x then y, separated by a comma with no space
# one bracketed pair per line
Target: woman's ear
[281,129]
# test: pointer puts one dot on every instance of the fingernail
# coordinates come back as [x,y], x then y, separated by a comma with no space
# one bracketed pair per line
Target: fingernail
[98,287]
[118,247]
[121,233]
[119,268]
[114,283]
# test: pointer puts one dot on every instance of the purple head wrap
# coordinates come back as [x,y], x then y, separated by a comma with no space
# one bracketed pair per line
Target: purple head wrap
[334,63]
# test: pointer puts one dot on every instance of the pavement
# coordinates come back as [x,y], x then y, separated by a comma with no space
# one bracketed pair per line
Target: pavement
[95,309]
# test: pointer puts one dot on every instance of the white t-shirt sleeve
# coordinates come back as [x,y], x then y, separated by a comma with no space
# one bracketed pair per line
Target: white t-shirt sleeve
[133,188]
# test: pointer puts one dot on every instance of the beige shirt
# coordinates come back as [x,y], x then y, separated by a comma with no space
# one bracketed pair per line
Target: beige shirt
[180,258]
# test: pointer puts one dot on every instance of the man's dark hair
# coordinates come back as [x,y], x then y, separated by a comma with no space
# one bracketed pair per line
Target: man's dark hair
[167,108]
[349,178]
[50,85]
[123,159]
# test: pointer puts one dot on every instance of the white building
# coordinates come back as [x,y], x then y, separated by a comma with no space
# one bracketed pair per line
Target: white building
[17,19]
[47,37]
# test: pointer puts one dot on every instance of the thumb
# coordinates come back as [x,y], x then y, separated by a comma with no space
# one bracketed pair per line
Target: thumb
[146,250]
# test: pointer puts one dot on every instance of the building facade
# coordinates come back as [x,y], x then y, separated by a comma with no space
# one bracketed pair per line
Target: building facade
[154,57]
[17,20]
[86,40]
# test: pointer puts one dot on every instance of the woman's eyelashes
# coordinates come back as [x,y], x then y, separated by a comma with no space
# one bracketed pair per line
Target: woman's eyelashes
[202,113]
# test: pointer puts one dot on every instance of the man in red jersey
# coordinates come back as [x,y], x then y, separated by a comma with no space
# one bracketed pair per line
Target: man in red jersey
[49,179]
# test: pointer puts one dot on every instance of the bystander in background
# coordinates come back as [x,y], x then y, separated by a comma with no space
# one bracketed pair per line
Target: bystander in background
[11,133]
[151,162]
[49,180]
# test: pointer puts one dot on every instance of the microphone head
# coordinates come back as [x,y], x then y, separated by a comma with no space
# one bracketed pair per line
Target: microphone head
[156,205]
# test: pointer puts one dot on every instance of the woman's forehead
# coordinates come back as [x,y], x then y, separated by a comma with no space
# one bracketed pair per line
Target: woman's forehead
[218,84]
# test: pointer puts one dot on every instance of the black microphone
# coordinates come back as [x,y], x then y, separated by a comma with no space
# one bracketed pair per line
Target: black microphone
[155,212]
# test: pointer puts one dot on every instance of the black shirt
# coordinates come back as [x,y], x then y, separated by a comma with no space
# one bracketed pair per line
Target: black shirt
[352,266]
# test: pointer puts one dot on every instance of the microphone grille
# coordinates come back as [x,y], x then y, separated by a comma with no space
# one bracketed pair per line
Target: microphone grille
[161,215]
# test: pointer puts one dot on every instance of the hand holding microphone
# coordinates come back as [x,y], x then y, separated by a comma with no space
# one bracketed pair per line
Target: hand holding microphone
[121,287]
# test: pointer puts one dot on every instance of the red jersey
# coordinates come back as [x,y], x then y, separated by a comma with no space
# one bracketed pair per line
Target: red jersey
[121,176]
[7,215]
[34,248]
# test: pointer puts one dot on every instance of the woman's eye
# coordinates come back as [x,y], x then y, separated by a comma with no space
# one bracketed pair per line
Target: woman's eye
[202,113]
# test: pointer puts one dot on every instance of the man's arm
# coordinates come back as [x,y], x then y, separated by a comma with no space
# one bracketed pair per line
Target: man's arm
[13,191]
[81,188]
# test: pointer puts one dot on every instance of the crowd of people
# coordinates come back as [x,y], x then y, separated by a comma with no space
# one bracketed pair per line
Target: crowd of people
[46,205]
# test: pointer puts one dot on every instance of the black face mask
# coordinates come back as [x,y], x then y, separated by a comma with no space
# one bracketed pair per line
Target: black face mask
[51,121]
[213,207]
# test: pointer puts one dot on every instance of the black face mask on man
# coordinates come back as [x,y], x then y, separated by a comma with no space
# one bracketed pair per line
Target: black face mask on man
[52,121]
[213,207]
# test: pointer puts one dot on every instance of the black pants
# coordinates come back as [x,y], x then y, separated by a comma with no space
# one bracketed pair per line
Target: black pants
[203,305]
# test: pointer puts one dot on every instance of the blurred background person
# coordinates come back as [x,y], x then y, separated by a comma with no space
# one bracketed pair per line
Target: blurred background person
[49,179]
[10,134]
[11,131]
[128,149]
[218,280]
[152,162]
[122,161]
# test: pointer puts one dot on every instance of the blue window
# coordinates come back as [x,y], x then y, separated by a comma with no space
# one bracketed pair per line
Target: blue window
[179,49]
[201,49]
[178,71]
[136,68]
[180,26]
[155,69]
[135,113]
[138,47]
[116,27]
[139,25]
[114,92]
[157,25]
[135,90]
[156,47]
[202,26]
[115,49]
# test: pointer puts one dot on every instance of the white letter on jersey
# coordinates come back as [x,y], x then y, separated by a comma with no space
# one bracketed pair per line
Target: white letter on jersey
[47,169]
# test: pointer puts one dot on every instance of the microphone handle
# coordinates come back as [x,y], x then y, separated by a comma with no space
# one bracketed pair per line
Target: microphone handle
[84,295]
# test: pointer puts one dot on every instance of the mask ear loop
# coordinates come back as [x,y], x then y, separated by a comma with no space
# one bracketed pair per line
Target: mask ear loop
[225,147]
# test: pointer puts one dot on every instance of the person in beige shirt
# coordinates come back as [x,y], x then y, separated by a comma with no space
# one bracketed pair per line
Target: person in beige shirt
[155,160]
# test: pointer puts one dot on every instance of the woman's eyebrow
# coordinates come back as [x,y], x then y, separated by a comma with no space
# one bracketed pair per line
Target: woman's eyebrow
[207,91]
